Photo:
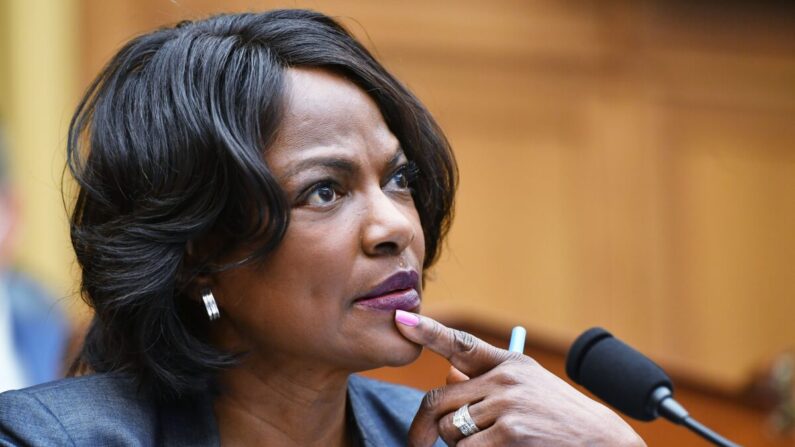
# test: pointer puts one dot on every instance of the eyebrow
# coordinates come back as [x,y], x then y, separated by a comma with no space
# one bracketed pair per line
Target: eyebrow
[336,163]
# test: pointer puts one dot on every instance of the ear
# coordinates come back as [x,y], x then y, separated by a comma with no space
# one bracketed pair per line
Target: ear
[192,276]
[197,286]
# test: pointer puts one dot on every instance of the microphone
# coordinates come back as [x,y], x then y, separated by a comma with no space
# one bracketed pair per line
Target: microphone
[629,381]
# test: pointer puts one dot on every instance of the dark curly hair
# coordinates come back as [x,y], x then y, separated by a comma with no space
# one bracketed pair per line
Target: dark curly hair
[167,149]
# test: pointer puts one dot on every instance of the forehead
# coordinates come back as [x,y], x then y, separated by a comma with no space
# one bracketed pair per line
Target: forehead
[325,112]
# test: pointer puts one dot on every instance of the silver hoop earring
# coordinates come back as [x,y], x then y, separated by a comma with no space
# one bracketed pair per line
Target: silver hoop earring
[210,305]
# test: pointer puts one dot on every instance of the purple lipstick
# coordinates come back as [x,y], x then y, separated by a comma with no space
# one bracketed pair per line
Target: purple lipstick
[399,291]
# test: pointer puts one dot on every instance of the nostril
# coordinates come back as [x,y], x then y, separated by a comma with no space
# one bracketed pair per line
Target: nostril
[387,248]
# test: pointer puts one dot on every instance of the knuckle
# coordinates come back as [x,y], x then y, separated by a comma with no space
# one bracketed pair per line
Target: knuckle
[511,428]
[463,342]
[432,399]
[503,401]
[526,360]
[508,377]
[435,332]
[506,428]
[518,357]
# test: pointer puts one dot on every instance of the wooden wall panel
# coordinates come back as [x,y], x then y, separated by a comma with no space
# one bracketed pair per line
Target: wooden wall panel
[627,164]
[37,95]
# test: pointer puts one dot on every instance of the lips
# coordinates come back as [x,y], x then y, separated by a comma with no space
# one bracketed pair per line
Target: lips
[399,291]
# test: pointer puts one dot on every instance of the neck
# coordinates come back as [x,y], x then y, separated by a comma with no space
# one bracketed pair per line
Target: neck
[282,404]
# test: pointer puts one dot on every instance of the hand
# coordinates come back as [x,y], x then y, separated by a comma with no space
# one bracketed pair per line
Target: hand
[512,399]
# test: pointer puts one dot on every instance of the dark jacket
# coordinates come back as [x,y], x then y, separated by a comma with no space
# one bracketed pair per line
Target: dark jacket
[106,409]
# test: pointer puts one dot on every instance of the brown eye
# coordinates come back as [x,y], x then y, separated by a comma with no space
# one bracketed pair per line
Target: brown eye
[401,181]
[403,177]
[323,194]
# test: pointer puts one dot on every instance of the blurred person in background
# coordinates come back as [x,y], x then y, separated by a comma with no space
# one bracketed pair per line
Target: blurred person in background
[33,330]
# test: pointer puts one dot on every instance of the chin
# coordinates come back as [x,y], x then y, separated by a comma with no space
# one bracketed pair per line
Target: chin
[402,357]
[397,352]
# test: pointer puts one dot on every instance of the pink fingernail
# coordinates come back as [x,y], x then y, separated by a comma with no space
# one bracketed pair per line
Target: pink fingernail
[406,318]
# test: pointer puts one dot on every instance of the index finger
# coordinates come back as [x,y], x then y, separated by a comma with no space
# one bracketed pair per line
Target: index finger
[471,355]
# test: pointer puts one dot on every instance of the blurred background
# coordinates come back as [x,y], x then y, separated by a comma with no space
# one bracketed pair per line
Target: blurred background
[628,164]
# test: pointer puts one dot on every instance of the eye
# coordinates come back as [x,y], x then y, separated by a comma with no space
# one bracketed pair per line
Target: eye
[404,176]
[322,194]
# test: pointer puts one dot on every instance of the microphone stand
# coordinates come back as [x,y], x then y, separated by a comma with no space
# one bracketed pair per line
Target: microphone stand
[665,405]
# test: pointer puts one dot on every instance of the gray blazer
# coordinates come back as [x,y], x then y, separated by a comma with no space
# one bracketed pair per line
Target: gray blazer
[106,409]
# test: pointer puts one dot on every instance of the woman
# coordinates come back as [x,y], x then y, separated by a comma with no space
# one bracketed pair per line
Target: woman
[258,201]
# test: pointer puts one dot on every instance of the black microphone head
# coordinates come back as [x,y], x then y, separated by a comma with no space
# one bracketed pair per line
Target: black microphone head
[616,373]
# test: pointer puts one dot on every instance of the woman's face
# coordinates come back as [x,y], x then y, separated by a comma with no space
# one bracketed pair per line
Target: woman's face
[354,232]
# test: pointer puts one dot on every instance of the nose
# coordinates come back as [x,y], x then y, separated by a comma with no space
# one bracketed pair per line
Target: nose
[387,228]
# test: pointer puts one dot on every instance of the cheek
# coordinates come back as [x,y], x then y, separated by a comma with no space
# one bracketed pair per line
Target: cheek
[306,269]
[418,244]
[301,274]
[310,250]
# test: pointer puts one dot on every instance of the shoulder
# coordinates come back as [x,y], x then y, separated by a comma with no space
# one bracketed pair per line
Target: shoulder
[95,409]
[383,411]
